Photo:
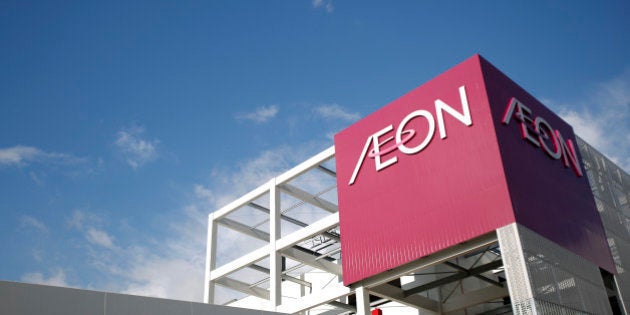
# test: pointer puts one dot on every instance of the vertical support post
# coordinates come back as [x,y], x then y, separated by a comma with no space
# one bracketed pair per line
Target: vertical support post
[363,301]
[211,258]
[516,270]
[275,259]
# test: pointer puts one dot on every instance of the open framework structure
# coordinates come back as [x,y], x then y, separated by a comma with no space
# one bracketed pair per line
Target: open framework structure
[464,196]
[292,225]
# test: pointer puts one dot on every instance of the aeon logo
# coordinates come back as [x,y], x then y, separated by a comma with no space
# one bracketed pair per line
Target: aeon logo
[403,134]
[539,133]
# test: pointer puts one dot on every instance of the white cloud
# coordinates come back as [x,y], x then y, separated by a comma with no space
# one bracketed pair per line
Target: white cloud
[603,120]
[260,115]
[31,222]
[334,111]
[90,225]
[168,277]
[20,155]
[37,179]
[174,266]
[328,5]
[136,150]
[204,194]
[176,270]
[81,219]
[77,219]
[58,278]
[99,237]
[231,183]
[38,255]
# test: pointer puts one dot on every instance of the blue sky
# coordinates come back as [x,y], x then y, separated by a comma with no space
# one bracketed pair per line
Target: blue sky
[123,124]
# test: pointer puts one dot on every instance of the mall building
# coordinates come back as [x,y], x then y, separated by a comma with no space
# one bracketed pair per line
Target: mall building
[464,196]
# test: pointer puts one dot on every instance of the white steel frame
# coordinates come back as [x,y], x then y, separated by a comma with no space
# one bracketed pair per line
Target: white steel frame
[335,294]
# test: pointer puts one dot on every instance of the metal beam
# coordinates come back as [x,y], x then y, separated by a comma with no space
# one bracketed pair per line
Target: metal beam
[303,167]
[327,170]
[240,263]
[342,306]
[480,277]
[397,294]
[282,216]
[473,298]
[308,198]
[238,203]
[430,260]
[292,220]
[458,276]
[316,228]
[308,259]
[332,293]
[244,228]
[243,287]
[284,276]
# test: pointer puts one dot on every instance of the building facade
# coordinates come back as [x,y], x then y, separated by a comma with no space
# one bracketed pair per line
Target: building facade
[465,196]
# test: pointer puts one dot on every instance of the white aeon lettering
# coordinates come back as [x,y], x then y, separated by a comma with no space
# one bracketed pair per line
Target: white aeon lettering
[404,134]
[538,132]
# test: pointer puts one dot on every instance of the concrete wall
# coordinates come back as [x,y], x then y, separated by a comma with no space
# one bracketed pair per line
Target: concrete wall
[27,299]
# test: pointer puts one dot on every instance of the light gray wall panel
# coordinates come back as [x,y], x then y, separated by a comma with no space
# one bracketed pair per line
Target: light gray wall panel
[27,299]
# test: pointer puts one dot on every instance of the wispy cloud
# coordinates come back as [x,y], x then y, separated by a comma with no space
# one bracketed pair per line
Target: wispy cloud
[90,225]
[80,219]
[260,115]
[135,149]
[99,237]
[20,155]
[327,5]
[336,112]
[603,119]
[173,266]
[31,222]
[57,278]
[170,267]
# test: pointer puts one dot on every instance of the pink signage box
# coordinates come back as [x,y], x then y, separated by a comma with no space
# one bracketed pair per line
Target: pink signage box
[460,156]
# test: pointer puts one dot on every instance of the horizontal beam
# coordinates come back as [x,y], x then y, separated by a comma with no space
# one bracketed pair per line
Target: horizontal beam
[284,276]
[282,216]
[306,165]
[310,260]
[240,263]
[326,170]
[245,229]
[292,220]
[478,276]
[317,228]
[309,198]
[473,298]
[243,200]
[243,287]
[452,278]
[396,294]
[310,301]
[342,306]
[428,261]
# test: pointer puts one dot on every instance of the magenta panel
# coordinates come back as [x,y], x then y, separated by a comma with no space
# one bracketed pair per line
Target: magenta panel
[549,196]
[452,190]
[437,167]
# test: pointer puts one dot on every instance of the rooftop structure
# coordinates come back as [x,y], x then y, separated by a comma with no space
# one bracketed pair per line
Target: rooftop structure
[291,246]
